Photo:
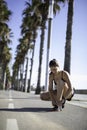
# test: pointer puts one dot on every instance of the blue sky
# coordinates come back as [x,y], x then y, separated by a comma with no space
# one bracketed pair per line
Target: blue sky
[79,40]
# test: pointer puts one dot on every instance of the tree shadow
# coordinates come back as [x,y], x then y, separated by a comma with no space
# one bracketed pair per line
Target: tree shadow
[28,109]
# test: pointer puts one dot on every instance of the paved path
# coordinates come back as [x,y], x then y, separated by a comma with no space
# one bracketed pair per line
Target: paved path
[79,100]
[25,111]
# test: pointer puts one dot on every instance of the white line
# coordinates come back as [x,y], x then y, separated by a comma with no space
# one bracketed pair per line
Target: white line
[10,105]
[10,99]
[12,124]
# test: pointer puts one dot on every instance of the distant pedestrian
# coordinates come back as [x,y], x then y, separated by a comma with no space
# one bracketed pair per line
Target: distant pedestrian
[63,90]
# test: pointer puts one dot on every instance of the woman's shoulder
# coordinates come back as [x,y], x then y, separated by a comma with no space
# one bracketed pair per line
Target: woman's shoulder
[64,71]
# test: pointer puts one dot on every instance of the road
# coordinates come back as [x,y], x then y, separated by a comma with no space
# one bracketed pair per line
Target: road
[25,111]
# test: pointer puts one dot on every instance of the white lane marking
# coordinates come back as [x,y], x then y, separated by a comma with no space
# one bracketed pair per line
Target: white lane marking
[12,124]
[10,105]
[10,99]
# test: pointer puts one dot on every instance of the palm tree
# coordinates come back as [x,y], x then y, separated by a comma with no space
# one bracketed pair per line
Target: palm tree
[43,9]
[21,51]
[4,11]
[31,21]
[31,68]
[8,77]
[33,16]
[67,60]
[4,39]
[14,75]
[6,56]
[44,14]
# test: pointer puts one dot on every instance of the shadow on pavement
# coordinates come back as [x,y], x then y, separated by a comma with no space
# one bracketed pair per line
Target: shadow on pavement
[31,109]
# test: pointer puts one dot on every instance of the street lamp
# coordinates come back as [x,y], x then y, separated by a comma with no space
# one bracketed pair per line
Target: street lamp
[50,17]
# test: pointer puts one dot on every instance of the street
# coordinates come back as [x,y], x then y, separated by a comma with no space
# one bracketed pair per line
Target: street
[25,111]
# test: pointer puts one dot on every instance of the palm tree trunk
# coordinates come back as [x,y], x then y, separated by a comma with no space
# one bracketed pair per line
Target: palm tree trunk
[26,75]
[38,89]
[67,60]
[48,52]
[4,82]
[29,85]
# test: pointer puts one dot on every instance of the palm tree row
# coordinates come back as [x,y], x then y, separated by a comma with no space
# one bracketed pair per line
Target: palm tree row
[34,18]
[5,33]
[29,33]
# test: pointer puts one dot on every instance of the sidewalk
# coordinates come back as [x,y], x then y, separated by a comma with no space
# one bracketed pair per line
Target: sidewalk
[79,100]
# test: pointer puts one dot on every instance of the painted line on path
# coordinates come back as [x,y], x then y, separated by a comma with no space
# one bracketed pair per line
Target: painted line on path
[12,124]
[11,106]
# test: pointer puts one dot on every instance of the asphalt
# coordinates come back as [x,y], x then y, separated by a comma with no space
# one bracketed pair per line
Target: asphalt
[24,111]
[79,100]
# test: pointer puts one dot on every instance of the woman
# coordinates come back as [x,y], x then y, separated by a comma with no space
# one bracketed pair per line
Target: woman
[64,90]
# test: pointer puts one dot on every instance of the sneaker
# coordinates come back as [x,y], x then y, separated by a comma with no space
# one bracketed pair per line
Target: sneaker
[59,108]
[63,103]
[55,108]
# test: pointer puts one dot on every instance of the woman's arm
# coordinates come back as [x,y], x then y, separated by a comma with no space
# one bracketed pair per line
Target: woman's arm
[67,79]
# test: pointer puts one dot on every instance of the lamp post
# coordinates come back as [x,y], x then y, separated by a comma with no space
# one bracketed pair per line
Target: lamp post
[50,17]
